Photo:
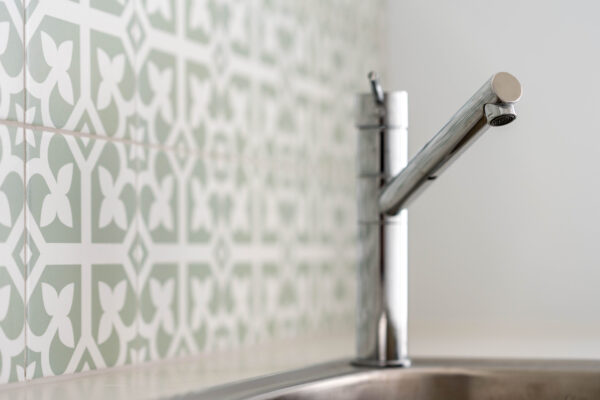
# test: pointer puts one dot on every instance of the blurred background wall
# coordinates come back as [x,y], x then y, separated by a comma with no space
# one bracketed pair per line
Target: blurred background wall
[504,248]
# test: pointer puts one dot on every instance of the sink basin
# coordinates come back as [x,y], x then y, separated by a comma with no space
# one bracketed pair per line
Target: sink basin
[427,379]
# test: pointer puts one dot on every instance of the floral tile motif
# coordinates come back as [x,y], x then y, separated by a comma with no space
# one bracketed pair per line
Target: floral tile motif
[157,267]
[279,114]
[275,80]
[223,309]
[12,256]
[157,92]
[191,218]
[113,195]
[306,282]
[80,61]
[11,61]
[80,280]
[114,307]
[53,70]
[158,316]
[195,80]
[54,187]
[158,190]
[199,98]
[284,286]
[191,183]
[54,322]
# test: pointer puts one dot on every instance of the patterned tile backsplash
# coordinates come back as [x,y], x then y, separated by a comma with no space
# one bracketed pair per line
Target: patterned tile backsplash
[176,176]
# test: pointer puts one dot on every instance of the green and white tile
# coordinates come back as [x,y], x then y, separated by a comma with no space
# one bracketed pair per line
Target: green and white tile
[113,228]
[114,308]
[198,96]
[190,222]
[161,14]
[194,189]
[307,222]
[12,256]
[11,60]
[283,278]
[223,280]
[159,191]
[199,84]
[279,122]
[157,93]
[80,74]
[80,279]
[157,259]
[54,322]
[158,314]
[53,282]
[54,188]
[113,195]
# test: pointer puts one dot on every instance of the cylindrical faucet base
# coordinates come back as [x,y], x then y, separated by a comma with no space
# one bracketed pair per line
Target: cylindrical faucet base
[382,310]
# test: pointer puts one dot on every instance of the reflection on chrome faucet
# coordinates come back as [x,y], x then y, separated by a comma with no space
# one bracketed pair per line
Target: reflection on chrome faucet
[386,186]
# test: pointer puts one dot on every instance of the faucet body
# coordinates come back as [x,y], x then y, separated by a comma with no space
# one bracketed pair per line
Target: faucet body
[387,183]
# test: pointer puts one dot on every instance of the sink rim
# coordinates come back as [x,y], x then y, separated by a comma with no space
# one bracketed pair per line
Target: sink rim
[333,372]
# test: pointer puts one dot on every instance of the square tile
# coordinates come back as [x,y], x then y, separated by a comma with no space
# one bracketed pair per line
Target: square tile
[80,74]
[12,256]
[196,231]
[197,87]
[81,280]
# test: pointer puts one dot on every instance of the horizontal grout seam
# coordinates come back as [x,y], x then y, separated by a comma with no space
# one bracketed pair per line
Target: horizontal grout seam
[329,166]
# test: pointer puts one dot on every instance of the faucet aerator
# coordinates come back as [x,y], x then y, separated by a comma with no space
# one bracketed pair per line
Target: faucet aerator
[500,114]
[503,120]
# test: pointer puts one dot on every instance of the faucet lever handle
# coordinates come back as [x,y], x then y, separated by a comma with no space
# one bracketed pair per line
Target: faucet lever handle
[376,88]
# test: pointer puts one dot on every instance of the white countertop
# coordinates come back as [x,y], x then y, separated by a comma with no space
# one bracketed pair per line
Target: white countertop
[169,378]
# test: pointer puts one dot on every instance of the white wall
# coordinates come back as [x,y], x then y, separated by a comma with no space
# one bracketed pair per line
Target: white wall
[505,246]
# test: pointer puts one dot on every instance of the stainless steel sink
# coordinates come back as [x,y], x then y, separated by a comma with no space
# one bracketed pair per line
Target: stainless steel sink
[427,379]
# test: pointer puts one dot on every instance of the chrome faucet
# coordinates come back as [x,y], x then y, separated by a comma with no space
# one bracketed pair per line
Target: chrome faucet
[386,186]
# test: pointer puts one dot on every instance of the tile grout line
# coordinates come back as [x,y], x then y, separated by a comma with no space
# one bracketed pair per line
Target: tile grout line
[168,149]
[86,135]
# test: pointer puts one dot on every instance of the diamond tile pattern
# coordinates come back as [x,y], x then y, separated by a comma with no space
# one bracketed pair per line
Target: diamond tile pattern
[175,176]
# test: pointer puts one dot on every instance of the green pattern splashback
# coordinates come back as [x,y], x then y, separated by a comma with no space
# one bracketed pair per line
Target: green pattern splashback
[176,176]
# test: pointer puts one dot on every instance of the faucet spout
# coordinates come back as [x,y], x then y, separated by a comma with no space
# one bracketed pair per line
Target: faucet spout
[492,105]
